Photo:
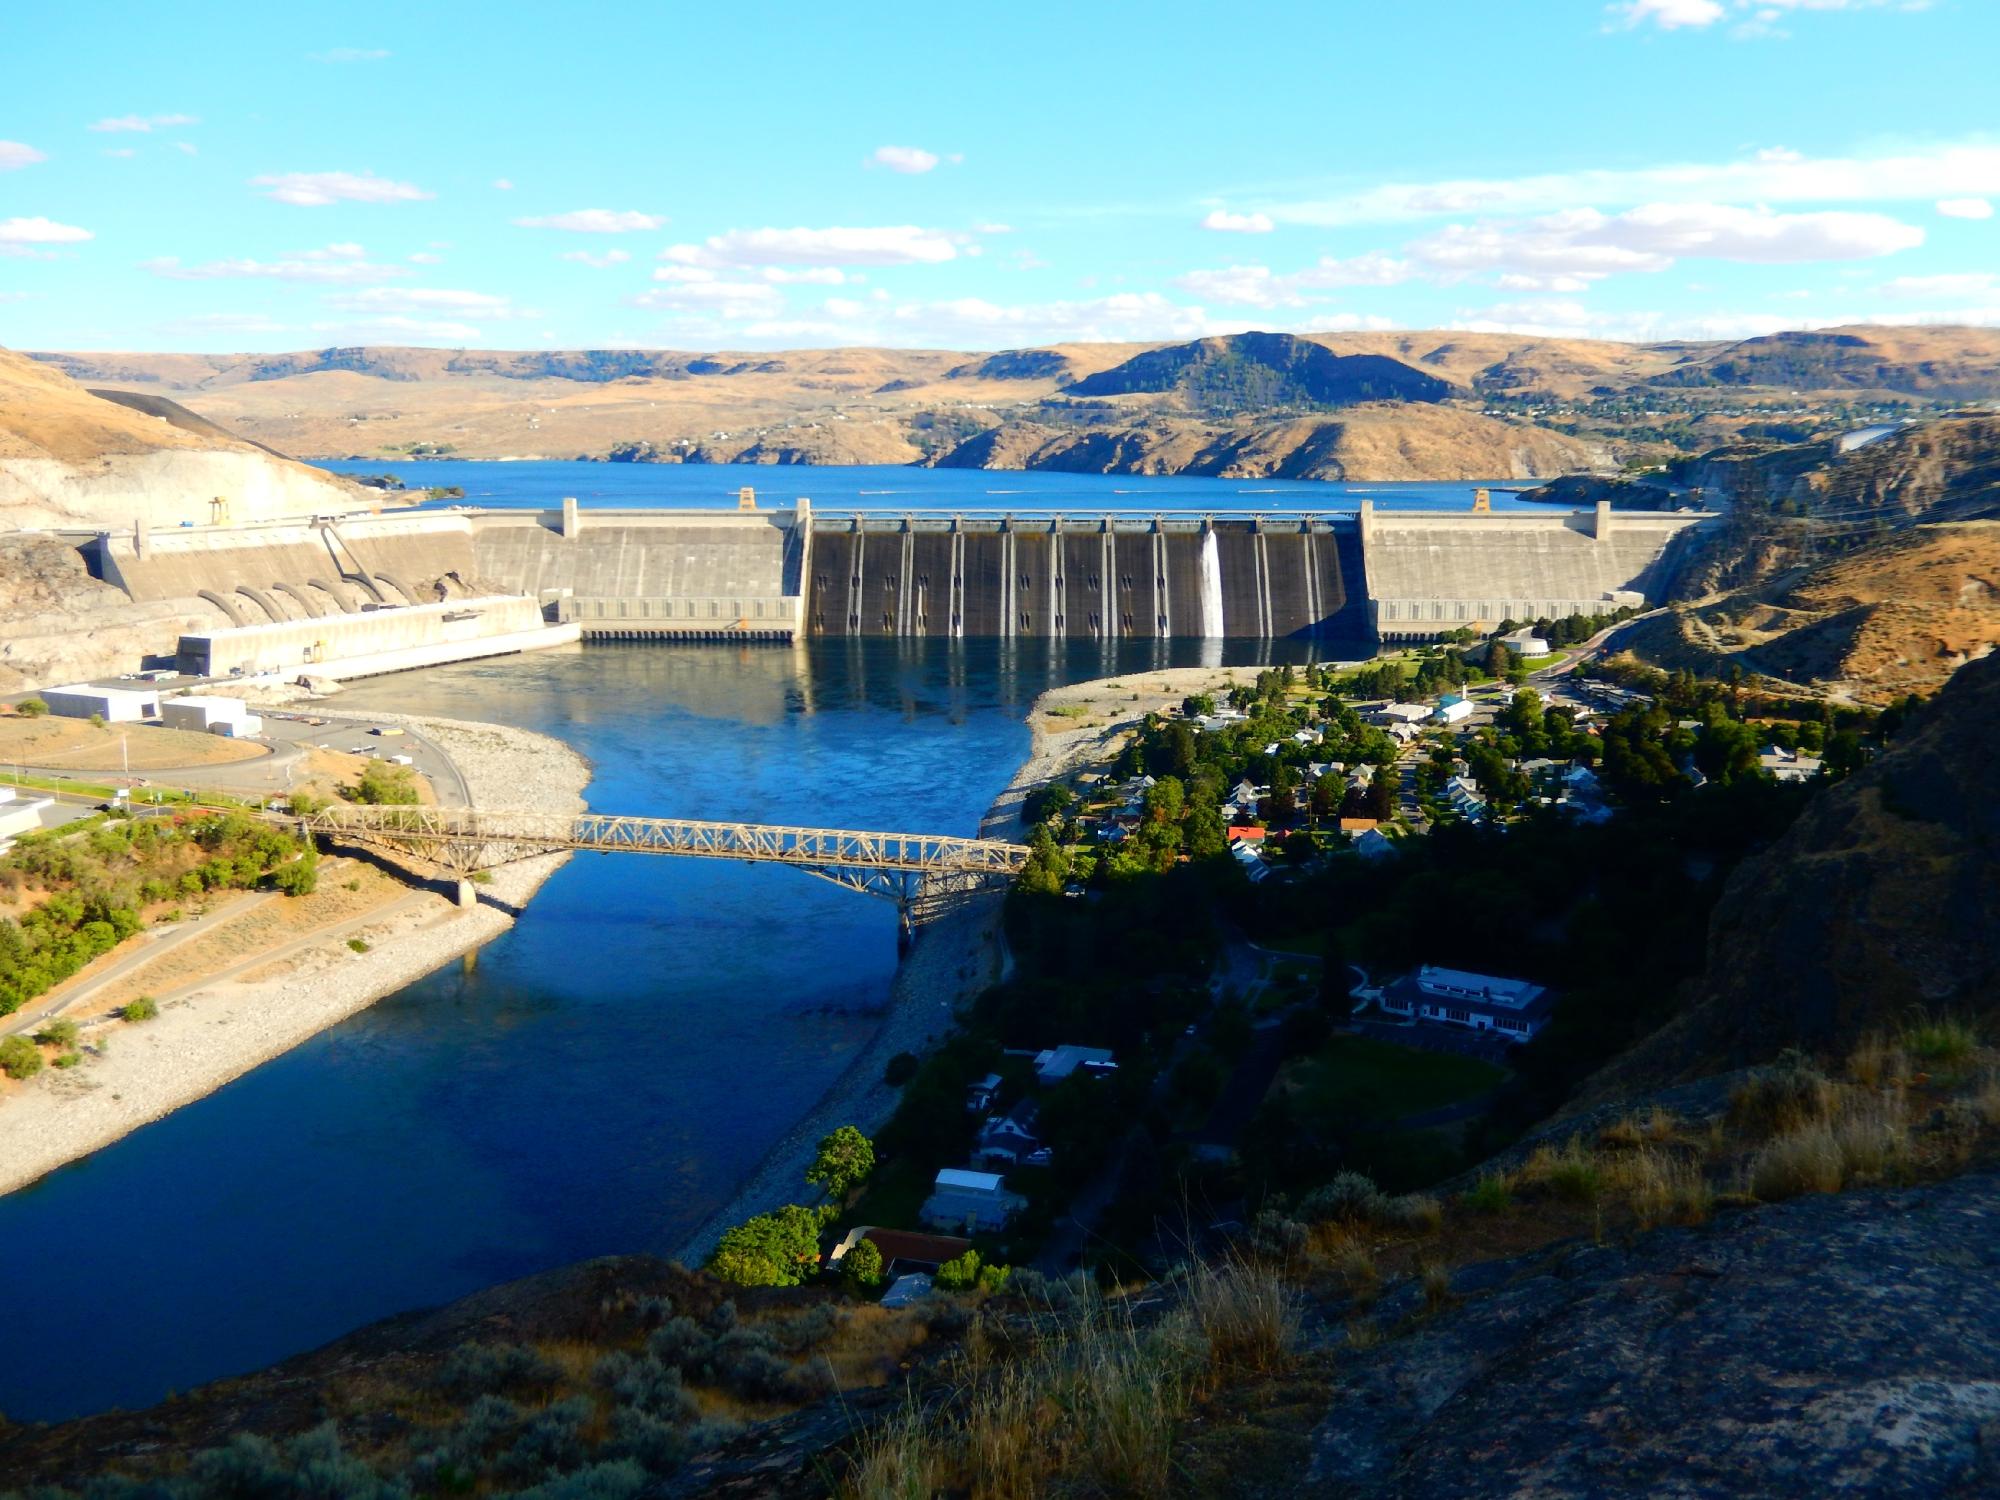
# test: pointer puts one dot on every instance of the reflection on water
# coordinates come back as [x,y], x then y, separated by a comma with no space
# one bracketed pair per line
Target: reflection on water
[604,1074]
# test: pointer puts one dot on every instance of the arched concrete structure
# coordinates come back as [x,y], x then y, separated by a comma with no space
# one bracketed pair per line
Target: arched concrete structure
[309,607]
[229,610]
[263,601]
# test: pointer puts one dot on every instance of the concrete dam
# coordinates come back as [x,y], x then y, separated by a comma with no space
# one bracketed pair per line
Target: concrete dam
[344,595]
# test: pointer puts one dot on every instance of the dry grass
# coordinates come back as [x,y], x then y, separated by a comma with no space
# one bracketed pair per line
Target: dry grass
[1092,1405]
[1788,1096]
[1657,1126]
[1941,1039]
[1864,1139]
[1877,1063]
[1570,1172]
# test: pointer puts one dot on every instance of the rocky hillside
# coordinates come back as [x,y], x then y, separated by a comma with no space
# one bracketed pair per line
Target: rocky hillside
[1373,442]
[70,456]
[1252,372]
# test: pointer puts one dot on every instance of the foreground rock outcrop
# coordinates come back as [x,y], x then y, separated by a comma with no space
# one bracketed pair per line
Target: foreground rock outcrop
[1843,1345]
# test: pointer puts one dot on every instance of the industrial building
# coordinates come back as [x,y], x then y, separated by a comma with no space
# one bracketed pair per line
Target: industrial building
[112,705]
[230,717]
[374,640]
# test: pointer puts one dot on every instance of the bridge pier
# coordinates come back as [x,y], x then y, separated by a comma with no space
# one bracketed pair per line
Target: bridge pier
[467,895]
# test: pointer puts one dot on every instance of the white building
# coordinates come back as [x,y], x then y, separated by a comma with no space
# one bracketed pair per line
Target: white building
[1249,860]
[229,717]
[1373,843]
[1452,710]
[19,815]
[113,705]
[1515,1008]
[1403,713]
[969,1200]
[1525,642]
[1057,1063]
[1788,765]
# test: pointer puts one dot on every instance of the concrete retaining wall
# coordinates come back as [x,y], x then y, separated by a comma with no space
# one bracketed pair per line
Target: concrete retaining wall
[322,645]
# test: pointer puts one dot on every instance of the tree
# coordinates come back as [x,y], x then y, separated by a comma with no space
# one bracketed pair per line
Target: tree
[32,708]
[774,1249]
[862,1266]
[384,785]
[1045,802]
[845,1159]
[60,1032]
[1200,706]
[19,1057]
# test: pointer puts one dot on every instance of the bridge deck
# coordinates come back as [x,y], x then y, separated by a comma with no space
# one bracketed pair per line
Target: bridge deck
[466,838]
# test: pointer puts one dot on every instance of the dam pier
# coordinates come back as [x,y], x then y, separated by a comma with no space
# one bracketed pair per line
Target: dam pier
[357,595]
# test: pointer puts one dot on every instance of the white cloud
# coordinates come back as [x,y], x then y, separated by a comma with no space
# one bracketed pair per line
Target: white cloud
[336,265]
[398,326]
[594,221]
[318,189]
[908,159]
[592,258]
[1583,243]
[1124,315]
[144,122]
[1260,286]
[120,151]
[226,322]
[1766,177]
[697,290]
[810,276]
[17,154]
[426,258]
[1965,208]
[1949,284]
[992,228]
[503,184]
[40,231]
[889,245]
[349,55]
[187,148]
[390,300]
[1756,17]
[1229,223]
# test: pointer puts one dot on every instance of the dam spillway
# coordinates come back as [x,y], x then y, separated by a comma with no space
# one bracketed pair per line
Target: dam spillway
[1096,578]
[328,591]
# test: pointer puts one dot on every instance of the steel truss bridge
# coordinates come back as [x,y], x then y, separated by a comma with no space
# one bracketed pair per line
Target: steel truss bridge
[915,870]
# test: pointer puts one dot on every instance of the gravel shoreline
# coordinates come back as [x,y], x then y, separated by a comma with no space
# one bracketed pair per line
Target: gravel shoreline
[221,1031]
[958,955]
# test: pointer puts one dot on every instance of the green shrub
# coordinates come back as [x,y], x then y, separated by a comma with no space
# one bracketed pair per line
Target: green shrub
[32,708]
[385,785]
[60,1032]
[145,1008]
[1941,1039]
[959,1275]
[359,945]
[19,1057]
[1490,1194]
[1349,1198]
[68,1059]
[862,1266]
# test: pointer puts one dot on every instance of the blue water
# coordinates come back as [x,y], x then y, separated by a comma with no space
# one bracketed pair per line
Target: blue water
[536,484]
[598,1079]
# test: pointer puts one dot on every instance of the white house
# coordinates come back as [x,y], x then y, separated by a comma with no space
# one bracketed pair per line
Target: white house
[1513,1008]
[979,1096]
[1525,642]
[1057,1063]
[1010,1139]
[1249,860]
[1788,765]
[113,705]
[969,1200]
[1373,843]
[1463,796]
[1452,709]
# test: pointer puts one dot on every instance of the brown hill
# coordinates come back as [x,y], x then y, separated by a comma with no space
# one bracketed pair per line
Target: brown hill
[72,456]
[1957,364]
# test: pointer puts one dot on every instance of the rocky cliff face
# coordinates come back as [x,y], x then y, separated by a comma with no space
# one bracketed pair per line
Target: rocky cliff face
[1376,442]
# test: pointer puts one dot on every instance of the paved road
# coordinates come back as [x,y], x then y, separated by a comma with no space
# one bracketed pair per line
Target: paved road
[154,943]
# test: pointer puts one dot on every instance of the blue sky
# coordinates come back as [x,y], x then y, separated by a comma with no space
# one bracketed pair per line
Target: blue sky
[228,177]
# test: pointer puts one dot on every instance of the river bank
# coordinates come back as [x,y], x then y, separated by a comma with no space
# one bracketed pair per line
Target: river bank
[960,954]
[216,1031]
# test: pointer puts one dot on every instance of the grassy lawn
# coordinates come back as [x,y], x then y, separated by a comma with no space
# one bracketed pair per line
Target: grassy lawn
[1360,1080]
[1531,662]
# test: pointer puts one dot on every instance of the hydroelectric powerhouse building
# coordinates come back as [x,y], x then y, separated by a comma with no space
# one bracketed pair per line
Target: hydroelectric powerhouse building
[384,591]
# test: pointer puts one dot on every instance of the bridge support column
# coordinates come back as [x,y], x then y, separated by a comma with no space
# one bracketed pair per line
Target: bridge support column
[467,895]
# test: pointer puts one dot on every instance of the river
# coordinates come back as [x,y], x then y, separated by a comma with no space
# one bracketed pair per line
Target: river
[598,1079]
